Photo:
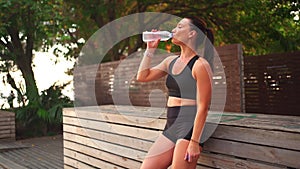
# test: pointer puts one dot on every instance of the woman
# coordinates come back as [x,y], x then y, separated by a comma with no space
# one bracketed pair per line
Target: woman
[189,86]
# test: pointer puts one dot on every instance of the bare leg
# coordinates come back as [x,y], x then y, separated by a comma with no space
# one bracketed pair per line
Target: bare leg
[178,157]
[160,154]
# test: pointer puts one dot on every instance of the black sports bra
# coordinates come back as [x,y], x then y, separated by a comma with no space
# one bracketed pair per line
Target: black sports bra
[182,85]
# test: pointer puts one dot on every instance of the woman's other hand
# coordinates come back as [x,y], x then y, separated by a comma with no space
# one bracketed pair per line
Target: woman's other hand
[192,152]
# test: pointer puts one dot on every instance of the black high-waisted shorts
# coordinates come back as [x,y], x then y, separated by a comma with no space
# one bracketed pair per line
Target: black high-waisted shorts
[180,122]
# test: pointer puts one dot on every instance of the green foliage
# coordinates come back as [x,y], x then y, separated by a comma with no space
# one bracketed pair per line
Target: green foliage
[45,114]
[94,14]
[40,19]
[52,101]
[261,26]
[27,26]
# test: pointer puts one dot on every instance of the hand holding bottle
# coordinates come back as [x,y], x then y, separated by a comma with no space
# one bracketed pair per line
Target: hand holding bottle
[152,45]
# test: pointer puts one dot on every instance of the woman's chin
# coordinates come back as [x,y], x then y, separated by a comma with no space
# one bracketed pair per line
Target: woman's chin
[175,41]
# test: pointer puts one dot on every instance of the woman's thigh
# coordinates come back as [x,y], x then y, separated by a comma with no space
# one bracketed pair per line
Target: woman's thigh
[160,154]
[178,157]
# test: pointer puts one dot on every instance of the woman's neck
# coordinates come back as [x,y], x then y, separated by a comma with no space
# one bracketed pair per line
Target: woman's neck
[186,53]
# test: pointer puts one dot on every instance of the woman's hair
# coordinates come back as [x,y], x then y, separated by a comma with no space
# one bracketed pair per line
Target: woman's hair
[208,42]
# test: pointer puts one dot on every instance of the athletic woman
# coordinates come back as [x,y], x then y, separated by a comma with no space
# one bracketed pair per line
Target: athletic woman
[189,94]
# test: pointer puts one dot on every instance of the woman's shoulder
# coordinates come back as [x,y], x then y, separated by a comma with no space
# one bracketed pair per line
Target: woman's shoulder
[201,62]
[169,59]
[201,65]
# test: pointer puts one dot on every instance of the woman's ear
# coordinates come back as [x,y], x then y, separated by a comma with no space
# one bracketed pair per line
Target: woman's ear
[192,33]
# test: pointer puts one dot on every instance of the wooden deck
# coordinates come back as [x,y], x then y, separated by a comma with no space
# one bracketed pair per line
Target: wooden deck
[36,153]
[103,137]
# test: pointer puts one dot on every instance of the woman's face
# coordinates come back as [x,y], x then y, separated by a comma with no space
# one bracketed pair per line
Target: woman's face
[181,32]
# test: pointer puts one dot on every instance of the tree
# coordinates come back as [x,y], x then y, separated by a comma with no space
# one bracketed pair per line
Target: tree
[261,26]
[27,26]
[93,14]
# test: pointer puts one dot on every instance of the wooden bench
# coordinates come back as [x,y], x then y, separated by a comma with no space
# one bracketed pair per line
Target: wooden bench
[7,126]
[105,137]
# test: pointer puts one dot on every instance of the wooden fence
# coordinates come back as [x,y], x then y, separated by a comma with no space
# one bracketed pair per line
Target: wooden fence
[115,82]
[268,84]
[104,137]
[7,126]
[272,83]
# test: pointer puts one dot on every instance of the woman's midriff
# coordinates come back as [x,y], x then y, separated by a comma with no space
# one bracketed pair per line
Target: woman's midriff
[176,101]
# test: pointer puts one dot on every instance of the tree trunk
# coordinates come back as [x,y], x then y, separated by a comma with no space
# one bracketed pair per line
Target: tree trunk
[23,56]
[23,59]
[24,63]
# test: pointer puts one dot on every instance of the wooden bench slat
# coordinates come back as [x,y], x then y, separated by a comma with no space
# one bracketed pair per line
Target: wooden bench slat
[9,120]
[127,119]
[7,136]
[72,164]
[6,114]
[5,132]
[110,137]
[261,121]
[256,152]
[7,127]
[259,136]
[105,146]
[90,160]
[116,128]
[93,150]
[225,161]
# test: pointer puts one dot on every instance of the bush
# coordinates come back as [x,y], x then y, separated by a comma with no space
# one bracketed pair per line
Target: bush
[44,117]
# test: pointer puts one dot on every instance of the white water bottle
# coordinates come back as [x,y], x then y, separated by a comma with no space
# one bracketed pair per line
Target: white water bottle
[152,36]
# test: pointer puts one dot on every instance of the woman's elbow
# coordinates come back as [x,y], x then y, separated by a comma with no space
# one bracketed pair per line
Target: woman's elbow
[140,78]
